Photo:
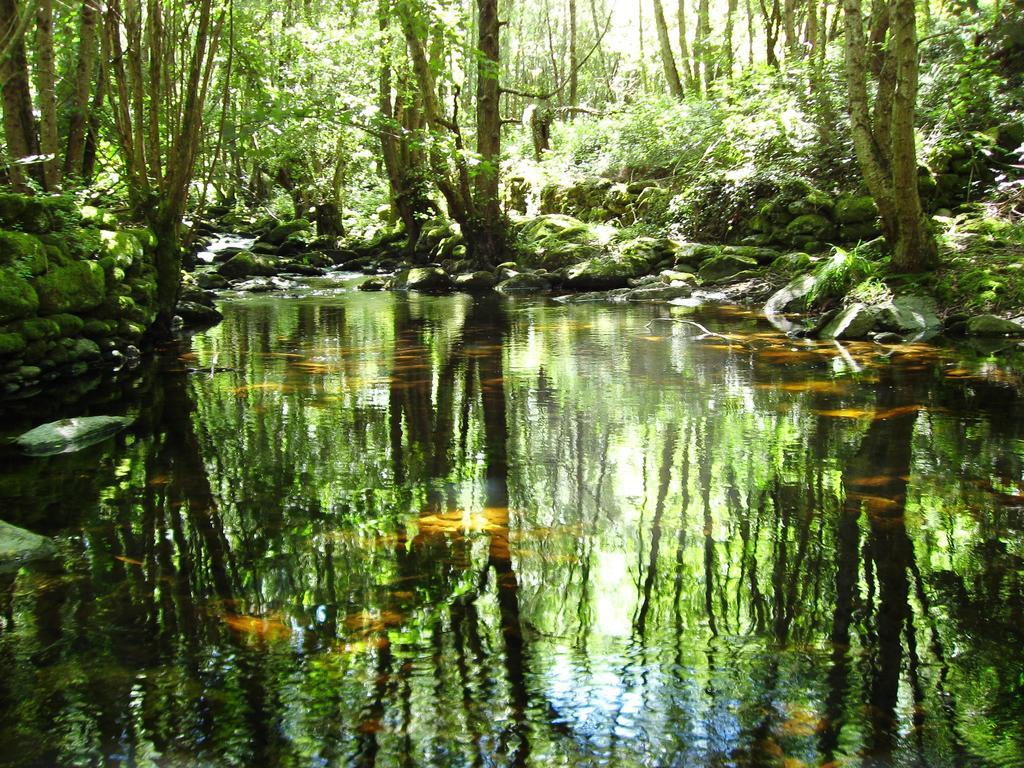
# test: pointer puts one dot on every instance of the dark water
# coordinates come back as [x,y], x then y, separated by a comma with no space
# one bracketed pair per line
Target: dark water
[373,530]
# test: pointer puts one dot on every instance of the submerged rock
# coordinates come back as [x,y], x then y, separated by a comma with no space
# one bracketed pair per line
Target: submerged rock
[523,283]
[475,282]
[993,325]
[428,280]
[70,435]
[19,546]
[659,292]
[854,322]
[375,283]
[197,315]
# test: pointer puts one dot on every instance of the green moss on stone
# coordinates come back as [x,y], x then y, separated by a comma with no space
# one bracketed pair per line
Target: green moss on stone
[75,287]
[23,252]
[34,328]
[124,247]
[11,343]
[70,325]
[95,328]
[17,296]
[37,214]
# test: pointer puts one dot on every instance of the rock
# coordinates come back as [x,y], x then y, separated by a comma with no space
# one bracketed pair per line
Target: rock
[261,285]
[888,337]
[428,280]
[475,282]
[659,293]
[84,349]
[993,325]
[196,295]
[12,343]
[853,322]
[18,546]
[614,270]
[211,281]
[266,249]
[284,230]
[763,256]
[855,209]
[909,315]
[791,298]
[696,253]
[196,315]
[375,283]
[75,287]
[792,263]
[554,241]
[724,267]
[524,282]
[812,227]
[862,231]
[247,264]
[70,435]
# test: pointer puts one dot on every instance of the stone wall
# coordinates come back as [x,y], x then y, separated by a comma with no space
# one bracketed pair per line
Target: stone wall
[77,291]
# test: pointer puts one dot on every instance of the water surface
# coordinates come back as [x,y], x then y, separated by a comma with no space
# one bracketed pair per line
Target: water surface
[353,529]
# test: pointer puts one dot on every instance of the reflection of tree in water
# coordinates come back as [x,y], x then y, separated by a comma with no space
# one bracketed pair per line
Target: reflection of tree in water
[402,541]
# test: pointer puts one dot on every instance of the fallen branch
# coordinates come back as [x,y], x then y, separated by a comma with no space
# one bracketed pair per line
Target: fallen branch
[705,332]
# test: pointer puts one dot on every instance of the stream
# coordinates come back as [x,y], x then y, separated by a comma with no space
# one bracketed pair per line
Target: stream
[363,529]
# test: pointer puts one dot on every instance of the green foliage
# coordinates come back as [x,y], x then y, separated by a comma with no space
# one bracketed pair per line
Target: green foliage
[841,272]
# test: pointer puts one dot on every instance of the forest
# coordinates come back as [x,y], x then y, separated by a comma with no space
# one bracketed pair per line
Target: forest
[478,383]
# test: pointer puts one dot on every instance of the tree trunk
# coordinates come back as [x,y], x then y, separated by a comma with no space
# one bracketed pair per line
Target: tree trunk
[19,124]
[689,74]
[74,157]
[491,244]
[573,57]
[675,87]
[885,146]
[702,45]
[47,92]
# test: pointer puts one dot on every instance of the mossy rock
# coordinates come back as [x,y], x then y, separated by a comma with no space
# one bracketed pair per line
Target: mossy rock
[855,209]
[35,328]
[695,253]
[792,263]
[555,241]
[38,214]
[95,328]
[861,231]
[26,253]
[70,325]
[761,255]
[75,287]
[11,343]
[145,236]
[609,271]
[811,225]
[17,296]
[98,217]
[247,264]
[725,267]
[284,230]
[123,247]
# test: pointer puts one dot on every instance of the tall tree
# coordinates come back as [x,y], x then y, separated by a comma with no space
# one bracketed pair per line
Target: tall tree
[47,95]
[78,119]
[883,137]
[668,60]
[19,124]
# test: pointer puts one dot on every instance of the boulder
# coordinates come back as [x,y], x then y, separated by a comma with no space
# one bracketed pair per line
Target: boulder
[77,286]
[278,234]
[614,270]
[724,267]
[909,315]
[523,283]
[853,322]
[196,315]
[475,282]
[428,280]
[791,298]
[70,435]
[247,264]
[18,546]
[695,253]
[763,256]
[261,285]
[25,252]
[555,241]
[211,281]
[993,325]
[375,283]
[659,292]
[855,209]
[17,296]
[811,227]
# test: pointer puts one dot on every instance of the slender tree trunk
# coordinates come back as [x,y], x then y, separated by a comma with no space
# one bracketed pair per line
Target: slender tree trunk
[730,53]
[46,77]
[488,142]
[573,57]
[689,74]
[84,66]
[19,124]
[675,87]
[702,45]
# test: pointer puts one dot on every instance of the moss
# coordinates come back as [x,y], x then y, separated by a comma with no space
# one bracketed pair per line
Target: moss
[34,328]
[98,217]
[75,287]
[11,343]
[23,252]
[70,325]
[37,214]
[145,237]
[123,247]
[17,296]
[855,209]
[95,328]
[811,225]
